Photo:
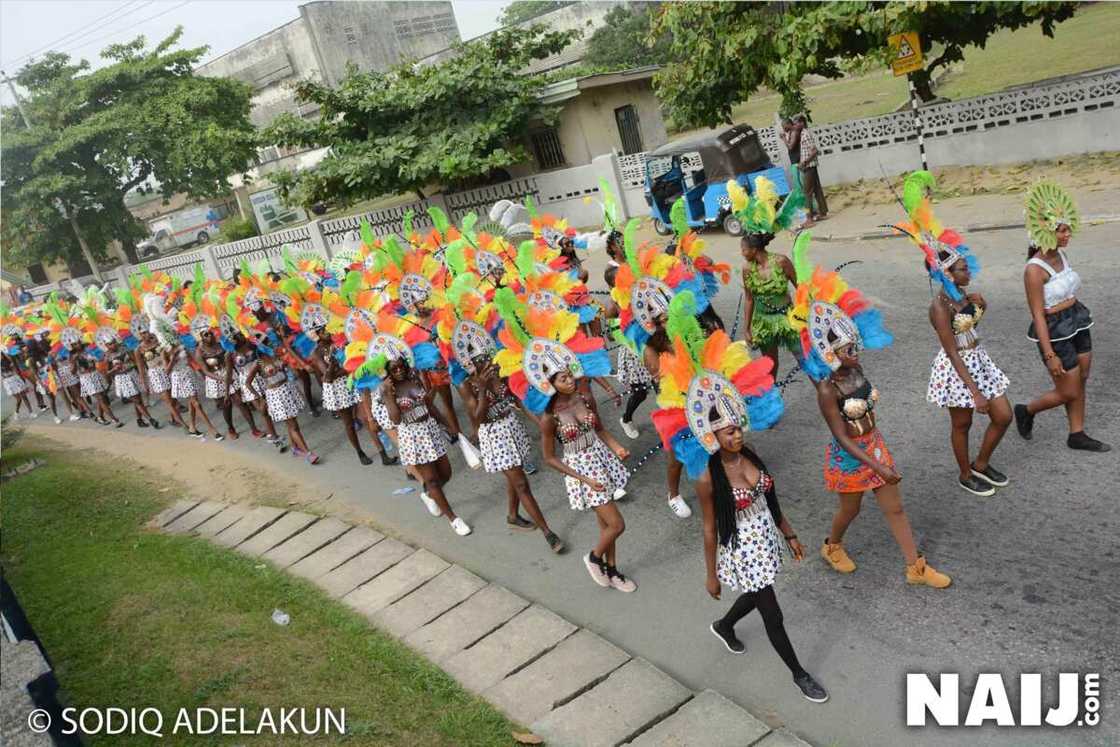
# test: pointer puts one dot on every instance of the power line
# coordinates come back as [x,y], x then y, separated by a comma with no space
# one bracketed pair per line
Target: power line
[96,24]
[126,28]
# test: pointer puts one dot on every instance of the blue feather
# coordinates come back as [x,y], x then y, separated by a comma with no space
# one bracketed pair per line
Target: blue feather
[131,343]
[369,381]
[227,344]
[340,355]
[870,324]
[690,453]
[815,368]
[586,313]
[971,260]
[458,373]
[947,284]
[636,334]
[188,342]
[595,363]
[711,284]
[695,285]
[536,401]
[303,345]
[766,409]
[95,353]
[425,356]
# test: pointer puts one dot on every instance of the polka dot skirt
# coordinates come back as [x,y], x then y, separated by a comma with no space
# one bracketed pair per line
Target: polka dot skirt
[284,402]
[421,443]
[126,384]
[158,380]
[338,395]
[596,462]
[504,444]
[946,389]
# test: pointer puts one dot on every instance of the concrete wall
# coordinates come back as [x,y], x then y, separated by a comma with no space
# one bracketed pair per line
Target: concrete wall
[595,110]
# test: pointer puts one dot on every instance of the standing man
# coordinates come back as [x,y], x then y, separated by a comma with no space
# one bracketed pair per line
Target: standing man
[803,151]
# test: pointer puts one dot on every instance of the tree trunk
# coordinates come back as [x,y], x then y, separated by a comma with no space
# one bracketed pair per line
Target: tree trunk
[85,247]
[128,244]
[923,85]
[419,194]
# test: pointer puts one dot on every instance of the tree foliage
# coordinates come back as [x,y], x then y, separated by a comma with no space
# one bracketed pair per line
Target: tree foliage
[723,53]
[520,11]
[624,40]
[96,135]
[400,130]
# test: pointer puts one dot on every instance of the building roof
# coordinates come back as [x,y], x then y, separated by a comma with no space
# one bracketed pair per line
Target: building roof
[563,90]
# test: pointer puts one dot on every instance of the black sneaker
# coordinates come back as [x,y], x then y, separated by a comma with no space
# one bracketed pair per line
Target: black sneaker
[990,475]
[554,543]
[520,523]
[977,487]
[140,423]
[810,688]
[727,638]
[1024,422]
[1082,441]
[387,460]
[154,423]
[118,424]
[365,460]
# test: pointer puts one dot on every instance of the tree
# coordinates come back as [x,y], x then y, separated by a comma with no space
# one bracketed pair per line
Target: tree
[400,130]
[96,135]
[522,10]
[723,53]
[624,40]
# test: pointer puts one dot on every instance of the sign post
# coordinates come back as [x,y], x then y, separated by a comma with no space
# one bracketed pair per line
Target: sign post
[906,58]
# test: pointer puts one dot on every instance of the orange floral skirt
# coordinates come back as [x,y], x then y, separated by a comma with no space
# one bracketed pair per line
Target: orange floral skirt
[843,473]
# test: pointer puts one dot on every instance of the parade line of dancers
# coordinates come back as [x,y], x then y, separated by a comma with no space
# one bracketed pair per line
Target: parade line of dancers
[499,313]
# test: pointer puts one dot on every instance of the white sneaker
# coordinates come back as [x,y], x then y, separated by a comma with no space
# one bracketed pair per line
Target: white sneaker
[432,506]
[629,429]
[57,420]
[461,527]
[679,507]
[34,415]
[619,494]
[75,417]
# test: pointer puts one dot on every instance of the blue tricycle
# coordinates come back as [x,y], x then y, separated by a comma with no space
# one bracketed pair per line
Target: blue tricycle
[699,168]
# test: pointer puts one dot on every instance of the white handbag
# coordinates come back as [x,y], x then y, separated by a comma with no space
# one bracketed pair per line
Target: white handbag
[470,453]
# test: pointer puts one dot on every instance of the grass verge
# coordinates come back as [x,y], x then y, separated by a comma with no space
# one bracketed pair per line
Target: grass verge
[132,618]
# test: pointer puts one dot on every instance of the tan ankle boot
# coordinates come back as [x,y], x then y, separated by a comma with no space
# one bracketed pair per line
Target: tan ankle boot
[834,554]
[925,575]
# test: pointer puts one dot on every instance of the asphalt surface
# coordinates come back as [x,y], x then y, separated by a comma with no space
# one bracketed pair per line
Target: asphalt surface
[1035,567]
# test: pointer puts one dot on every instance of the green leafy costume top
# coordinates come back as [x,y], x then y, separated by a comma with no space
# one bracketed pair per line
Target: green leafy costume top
[769,325]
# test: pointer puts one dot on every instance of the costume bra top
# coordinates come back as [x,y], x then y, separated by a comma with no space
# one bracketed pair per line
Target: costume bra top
[860,403]
[1061,286]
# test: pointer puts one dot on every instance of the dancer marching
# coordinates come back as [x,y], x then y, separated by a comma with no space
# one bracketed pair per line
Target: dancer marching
[835,323]
[1059,322]
[711,393]
[963,377]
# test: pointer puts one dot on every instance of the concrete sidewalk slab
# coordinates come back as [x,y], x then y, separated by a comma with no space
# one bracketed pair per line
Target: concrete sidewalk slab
[222,520]
[306,542]
[708,720]
[519,641]
[429,601]
[627,702]
[467,623]
[395,582]
[344,548]
[193,518]
[173,512]
[578,663]
[278,532]
[361,568]
[781,738]
[254,521]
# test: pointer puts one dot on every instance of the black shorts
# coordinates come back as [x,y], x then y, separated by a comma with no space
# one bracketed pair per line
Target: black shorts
[1068,350]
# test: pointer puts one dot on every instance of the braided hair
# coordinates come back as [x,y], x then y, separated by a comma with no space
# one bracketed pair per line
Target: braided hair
[724,501]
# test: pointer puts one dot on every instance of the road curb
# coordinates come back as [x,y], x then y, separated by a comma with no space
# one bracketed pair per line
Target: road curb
[1094,220]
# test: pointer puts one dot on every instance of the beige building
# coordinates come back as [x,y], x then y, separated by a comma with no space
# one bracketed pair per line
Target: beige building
[606,113]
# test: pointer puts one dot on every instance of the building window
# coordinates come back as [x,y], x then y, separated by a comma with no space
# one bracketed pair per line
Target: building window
[351,35]
[629,130]
[547,149]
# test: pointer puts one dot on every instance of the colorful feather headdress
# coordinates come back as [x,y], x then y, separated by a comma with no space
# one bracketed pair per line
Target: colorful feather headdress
[543,282]
[64,327]
[709,383]
[825,304]
[467,326]
[690,248]
[1048,206]
[929,236]
[510,221]
[413,277]
[540,343]
[760,213]
[644,286]
[394,337]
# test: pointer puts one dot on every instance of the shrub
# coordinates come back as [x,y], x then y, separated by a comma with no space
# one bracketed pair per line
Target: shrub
[235,229]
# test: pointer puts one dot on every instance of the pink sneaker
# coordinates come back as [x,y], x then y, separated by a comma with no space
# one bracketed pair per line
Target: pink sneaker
[596,568]
[618,581]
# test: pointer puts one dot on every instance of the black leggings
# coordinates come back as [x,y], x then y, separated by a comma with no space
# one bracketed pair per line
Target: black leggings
[638,394]
[767,603]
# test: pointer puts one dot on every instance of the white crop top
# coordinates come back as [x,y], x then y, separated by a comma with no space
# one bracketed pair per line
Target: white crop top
[1061,286]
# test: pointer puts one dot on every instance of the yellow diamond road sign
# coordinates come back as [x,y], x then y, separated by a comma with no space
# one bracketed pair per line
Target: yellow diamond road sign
[907,52]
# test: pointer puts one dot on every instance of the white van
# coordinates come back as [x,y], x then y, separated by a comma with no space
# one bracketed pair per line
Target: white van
[193,225]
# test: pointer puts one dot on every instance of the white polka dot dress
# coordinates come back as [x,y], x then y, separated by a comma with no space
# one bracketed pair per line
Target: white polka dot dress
[750,561]
[504,444]
[66,376]
[158,380]
[182,382]
[216,388]
[284,402]
[947,389]
[630,369]
[421,443]
[381,412]
[126,384]
[596,462]
[14,385]
[92,382]
[337,395]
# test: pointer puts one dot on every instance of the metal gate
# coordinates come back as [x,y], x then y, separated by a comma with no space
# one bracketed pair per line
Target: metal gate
[629,131]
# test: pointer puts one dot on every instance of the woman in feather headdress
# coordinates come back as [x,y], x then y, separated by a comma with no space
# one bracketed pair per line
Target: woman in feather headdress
[688,245]
[835,323]
[963,377]
[1059,321]
[92,366]
[767,276]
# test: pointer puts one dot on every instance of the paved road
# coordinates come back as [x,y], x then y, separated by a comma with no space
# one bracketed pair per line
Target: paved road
[1034,567]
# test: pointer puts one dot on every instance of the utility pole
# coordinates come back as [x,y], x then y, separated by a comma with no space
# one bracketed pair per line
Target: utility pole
[58,203]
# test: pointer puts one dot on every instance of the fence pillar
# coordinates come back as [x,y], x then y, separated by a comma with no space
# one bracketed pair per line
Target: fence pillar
[606,167]
[210,262]
[783,152]
[318,240]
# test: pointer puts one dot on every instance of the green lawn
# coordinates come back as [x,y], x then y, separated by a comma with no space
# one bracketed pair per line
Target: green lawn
[132,618]
[1085,42]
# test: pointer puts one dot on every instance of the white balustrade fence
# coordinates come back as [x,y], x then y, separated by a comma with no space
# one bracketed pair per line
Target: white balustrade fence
[1077,115]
